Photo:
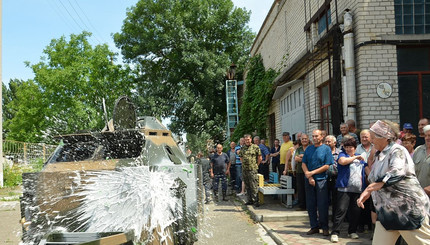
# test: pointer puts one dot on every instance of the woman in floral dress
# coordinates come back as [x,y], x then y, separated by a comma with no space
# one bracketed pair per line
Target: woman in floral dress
[401,205]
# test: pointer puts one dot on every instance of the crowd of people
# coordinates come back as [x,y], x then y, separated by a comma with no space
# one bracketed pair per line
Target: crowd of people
[377,177]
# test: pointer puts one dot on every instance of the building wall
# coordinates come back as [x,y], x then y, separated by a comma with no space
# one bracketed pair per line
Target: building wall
[281,39]
[282,42]
[315,78]
[274,108]
[376,64]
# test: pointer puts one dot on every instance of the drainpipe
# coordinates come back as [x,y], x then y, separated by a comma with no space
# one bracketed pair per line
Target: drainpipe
[348,40]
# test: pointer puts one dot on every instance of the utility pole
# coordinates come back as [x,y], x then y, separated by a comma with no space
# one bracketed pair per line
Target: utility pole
[1,98]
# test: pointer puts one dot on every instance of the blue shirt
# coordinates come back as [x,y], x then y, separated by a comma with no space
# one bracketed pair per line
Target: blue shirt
[219,163]
[264,151]
[316,157]
[237,155]
[344,173]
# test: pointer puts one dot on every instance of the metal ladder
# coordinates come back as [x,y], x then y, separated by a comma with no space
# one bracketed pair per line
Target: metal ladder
[232,105]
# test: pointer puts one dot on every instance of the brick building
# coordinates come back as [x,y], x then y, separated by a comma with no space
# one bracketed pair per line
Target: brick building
[346,59]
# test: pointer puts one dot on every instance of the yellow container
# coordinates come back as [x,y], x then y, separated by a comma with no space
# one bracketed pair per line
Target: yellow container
[260,180]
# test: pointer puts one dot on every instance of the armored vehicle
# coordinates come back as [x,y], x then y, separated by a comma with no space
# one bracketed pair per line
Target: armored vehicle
[103,175]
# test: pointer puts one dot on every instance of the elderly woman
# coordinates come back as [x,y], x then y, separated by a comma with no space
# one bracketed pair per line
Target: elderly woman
[351,181]
[408,141]
[401,205]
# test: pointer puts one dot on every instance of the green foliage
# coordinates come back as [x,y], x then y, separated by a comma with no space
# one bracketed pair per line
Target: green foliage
[180,50]
[66,94]
[256,100]
[13,175]
[27,110]
[37,165]
[9,94]
[198,143]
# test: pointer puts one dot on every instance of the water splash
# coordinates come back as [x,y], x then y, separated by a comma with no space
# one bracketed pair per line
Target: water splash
[130,198]
[133,198]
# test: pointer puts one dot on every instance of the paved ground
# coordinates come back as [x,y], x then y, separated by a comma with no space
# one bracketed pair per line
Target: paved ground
[289,226]
[227,223]
[10,229]
[224,223]
[294,233]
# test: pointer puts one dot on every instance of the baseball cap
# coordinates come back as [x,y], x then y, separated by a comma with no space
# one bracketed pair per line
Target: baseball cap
[408,126]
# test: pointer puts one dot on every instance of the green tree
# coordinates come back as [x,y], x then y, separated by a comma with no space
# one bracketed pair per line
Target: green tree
[180,50]
[198,143]
[26,112]
[9,94]
[256,99]
[66,95]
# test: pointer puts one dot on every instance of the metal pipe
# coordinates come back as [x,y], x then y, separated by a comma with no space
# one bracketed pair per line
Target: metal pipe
[348,38]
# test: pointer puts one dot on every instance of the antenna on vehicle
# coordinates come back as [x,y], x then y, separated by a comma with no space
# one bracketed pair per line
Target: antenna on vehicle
[105,113]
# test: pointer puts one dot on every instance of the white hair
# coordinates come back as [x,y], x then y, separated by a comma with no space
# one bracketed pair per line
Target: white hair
[426,128]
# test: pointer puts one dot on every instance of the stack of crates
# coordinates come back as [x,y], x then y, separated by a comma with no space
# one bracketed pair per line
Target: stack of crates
[273,178]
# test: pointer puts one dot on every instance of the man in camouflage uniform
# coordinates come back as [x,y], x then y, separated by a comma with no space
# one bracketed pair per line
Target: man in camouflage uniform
[250,156]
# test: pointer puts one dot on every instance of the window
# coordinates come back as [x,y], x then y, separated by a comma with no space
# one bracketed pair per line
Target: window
[322,22]
[413,65]
[325,107]
[412,16]
[291,101]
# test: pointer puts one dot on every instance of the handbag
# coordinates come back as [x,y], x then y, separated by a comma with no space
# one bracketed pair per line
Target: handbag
[332,170]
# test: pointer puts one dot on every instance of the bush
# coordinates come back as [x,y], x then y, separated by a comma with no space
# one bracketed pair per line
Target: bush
[13,175]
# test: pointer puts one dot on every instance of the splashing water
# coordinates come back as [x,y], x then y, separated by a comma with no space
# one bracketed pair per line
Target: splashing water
[130,199]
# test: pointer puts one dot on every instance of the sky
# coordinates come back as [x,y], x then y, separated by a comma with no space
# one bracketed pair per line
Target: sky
[28,26]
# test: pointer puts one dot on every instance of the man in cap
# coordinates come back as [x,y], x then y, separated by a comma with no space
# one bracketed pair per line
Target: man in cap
[407,128]
[421,159]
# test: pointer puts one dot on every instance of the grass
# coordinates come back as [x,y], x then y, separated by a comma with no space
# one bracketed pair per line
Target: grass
[10,193]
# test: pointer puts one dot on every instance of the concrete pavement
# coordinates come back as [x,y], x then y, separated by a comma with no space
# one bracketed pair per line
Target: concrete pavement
[289,226]
[10,228]
[225,222]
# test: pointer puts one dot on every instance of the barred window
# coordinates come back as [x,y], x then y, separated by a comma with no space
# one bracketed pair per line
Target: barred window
[322,22]
[325,107]
[412,16]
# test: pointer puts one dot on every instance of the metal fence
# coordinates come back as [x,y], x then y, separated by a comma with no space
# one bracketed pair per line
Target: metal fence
[25,153]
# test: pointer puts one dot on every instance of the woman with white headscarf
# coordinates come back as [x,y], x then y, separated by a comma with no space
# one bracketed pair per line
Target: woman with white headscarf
[401,205]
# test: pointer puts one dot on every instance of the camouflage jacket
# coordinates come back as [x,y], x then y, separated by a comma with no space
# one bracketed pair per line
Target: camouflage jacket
[249,155]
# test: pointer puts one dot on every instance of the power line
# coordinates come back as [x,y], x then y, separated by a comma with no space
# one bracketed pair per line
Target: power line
[57,10]
[83,22]
[89,21]
[71,16]
[74,20]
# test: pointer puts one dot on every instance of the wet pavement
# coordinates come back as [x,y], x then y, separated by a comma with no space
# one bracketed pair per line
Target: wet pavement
[226,222]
